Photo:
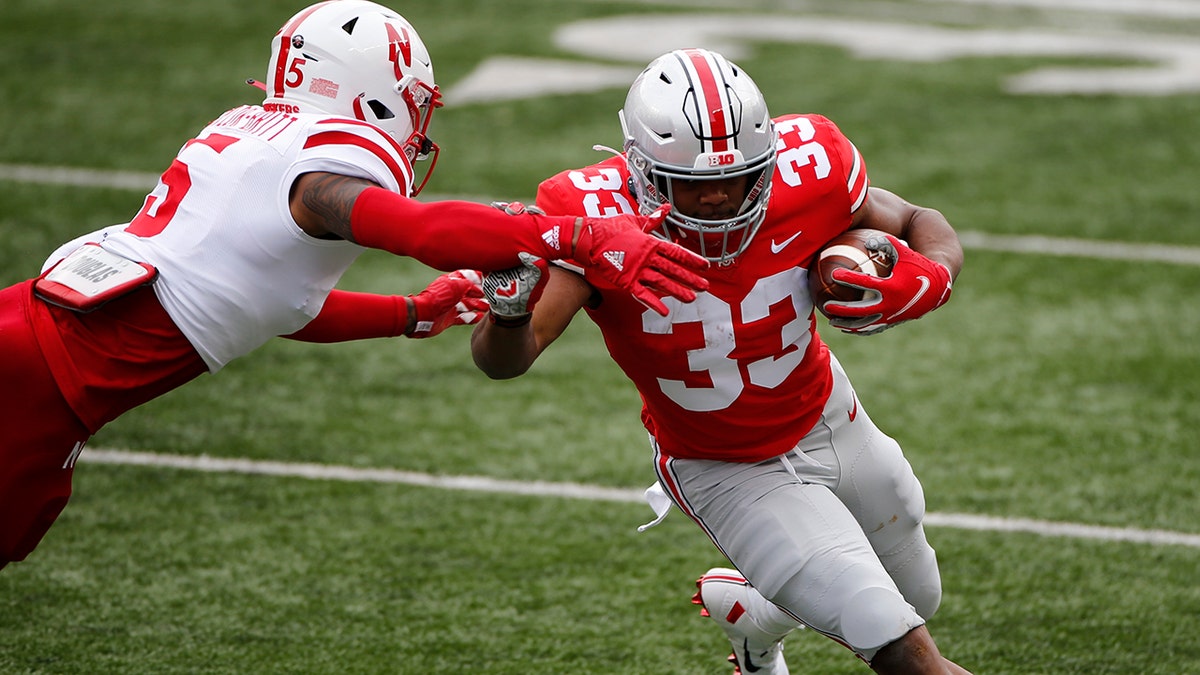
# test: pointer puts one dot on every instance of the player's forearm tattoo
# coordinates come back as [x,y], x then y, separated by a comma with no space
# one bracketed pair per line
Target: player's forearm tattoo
[331,197]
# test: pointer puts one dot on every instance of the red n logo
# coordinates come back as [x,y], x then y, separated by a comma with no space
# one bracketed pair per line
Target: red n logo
[399,46]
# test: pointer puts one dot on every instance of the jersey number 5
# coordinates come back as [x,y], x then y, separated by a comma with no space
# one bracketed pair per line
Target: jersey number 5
[162,203]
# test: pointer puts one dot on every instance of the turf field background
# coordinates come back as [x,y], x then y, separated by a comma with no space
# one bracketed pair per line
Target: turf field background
[1053,387]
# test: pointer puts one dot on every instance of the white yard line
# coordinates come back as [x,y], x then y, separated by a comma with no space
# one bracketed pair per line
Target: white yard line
[1080,248]
[587,492]
[65,175]
[1172,9]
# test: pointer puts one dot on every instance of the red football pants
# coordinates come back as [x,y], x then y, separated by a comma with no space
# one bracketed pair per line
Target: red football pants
[38,434]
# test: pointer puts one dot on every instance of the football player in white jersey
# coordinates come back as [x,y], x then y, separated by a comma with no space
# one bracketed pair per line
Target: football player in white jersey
[244,238]
[757,434]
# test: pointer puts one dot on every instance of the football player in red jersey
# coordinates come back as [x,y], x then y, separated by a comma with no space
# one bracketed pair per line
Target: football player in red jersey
[756,432]
[245,236]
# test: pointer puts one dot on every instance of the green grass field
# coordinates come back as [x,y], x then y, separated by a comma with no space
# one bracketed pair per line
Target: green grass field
[1054,387]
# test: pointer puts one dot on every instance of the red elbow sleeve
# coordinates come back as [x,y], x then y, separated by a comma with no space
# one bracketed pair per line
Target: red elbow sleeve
[451,235]
[347,315]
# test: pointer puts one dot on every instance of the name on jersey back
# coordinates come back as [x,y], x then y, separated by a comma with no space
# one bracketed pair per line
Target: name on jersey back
[256,121]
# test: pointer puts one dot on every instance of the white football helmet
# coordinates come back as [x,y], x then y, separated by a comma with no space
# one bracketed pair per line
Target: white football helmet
[357,59]
[692,115]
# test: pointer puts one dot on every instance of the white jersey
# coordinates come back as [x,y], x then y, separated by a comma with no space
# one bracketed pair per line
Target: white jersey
[234,267]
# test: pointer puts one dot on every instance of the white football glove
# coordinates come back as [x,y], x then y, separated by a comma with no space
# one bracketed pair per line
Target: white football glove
[512,293]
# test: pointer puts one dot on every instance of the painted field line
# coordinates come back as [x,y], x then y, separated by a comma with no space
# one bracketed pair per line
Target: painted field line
[1080,248]
[65,175]
[586,492]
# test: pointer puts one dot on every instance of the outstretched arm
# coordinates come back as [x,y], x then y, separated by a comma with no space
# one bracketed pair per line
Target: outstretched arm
[445,235]
[453,299]
[452,235]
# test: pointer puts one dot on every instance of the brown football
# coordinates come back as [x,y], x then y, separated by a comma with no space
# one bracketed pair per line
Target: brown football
[848,251]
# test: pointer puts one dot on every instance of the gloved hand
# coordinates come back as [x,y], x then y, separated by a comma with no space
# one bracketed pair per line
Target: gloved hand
[453,299]
[916,286]
[619,251]
[512,293]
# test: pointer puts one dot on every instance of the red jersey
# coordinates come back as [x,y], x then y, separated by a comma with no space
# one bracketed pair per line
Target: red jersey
[740,373]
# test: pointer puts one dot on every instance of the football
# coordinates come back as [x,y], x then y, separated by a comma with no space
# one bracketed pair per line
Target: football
[845,251]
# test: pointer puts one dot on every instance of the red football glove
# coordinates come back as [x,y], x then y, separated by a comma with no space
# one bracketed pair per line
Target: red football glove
[619,251]
[453,299]
[916,286]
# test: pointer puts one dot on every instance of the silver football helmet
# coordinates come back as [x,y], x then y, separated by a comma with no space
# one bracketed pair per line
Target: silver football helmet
[692,115]
[358,59]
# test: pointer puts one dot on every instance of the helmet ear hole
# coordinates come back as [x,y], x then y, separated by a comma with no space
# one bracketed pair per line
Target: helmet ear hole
[381,111]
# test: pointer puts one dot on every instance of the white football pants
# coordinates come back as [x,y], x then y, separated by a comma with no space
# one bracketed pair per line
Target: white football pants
[830,532]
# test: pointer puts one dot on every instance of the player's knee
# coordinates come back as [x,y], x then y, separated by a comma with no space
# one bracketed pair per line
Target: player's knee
[926,598]
[913,567]
[875,617]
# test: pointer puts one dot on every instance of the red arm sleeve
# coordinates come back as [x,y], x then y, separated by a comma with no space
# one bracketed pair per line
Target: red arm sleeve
[450,235]
[356,316]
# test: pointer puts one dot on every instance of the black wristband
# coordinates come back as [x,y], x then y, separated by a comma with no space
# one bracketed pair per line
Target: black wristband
[410,320]
[510,321]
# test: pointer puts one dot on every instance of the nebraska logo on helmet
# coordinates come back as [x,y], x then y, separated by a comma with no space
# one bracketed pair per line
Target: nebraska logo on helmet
[399,46]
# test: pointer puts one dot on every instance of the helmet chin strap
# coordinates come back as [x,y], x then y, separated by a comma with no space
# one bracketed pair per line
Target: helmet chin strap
[653,192]
[605,148]
[428,151]
[752,194]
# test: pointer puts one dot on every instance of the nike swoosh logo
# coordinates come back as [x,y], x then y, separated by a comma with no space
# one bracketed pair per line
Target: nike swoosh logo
[776,248]
[924,288]
[749,666]
[853,411]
